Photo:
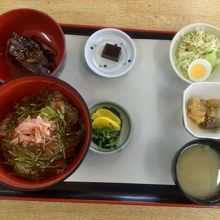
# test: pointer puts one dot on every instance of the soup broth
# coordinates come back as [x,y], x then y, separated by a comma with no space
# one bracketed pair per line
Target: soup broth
[198,171]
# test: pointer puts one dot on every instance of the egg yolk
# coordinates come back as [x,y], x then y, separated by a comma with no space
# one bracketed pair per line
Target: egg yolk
[198,71]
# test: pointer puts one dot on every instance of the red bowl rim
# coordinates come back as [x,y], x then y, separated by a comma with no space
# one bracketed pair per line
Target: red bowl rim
[85,151]
[59,66]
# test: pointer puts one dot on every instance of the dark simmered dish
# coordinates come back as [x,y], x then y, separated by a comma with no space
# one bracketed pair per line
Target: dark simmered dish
[41,137]
[31,54]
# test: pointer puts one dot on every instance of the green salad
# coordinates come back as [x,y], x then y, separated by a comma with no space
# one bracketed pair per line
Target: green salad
[195,45]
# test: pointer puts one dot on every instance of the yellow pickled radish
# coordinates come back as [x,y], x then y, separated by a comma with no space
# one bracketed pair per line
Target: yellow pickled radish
[102,112]
[105,122]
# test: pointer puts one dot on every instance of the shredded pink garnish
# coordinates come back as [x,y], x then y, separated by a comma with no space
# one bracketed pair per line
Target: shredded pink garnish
[33,130]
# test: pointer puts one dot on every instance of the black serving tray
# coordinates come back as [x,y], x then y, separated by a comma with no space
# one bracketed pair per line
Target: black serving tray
[104,192]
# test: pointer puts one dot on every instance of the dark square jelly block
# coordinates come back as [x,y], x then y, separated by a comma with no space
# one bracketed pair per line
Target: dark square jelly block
[111,52]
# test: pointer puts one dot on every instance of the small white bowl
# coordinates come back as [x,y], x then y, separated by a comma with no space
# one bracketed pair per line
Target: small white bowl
[215,76]
[126,127]
[204,90]
[105,67]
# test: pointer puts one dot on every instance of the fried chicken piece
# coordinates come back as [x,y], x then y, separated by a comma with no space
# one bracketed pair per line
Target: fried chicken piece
[196,110]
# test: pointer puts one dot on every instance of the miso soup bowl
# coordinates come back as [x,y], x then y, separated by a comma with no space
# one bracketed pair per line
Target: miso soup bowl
[12,92]
[214,144]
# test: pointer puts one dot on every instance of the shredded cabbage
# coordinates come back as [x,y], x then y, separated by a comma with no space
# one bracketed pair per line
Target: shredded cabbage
[197,44]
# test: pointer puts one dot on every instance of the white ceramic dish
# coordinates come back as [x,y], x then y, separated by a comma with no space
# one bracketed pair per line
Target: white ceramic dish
[215,76]
[126,127]
[205,90]
[105,67]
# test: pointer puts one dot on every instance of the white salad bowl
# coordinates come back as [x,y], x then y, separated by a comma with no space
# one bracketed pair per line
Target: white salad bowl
[203,90]
[215,75]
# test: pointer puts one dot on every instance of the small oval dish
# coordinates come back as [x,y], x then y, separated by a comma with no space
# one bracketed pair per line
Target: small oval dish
[197,101]
[110,53]
[119,132]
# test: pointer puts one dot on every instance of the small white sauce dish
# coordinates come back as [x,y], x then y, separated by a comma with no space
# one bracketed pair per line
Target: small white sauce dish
[106,67]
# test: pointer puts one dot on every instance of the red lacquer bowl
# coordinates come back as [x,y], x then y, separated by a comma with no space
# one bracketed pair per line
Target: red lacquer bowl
[13,91]
[30,22]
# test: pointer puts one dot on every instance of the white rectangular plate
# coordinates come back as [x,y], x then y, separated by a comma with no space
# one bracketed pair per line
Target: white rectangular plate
[152,94]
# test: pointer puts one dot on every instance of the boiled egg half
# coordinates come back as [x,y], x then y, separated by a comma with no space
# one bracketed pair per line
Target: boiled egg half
[199,70]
